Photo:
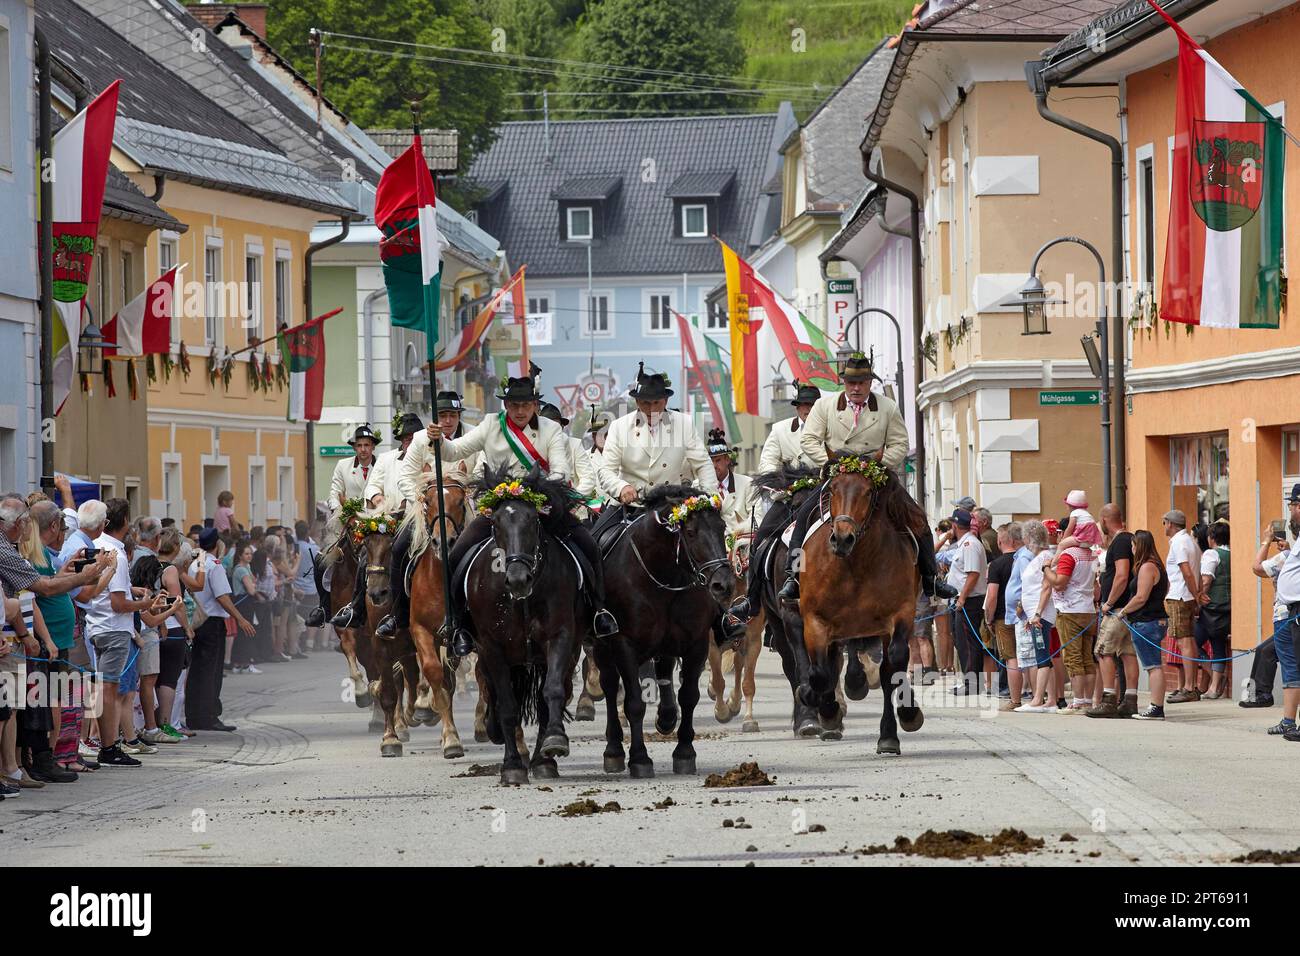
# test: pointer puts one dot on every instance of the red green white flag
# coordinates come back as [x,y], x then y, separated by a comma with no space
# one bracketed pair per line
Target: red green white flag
[302,349]
[143,326]
[1223,257]
[411,250]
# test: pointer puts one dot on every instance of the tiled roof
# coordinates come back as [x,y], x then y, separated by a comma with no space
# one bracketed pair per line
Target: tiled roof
[702,185]
[124,200]
[597,188]
[440,145]
[1122,25]
[650,156]
[1011,18]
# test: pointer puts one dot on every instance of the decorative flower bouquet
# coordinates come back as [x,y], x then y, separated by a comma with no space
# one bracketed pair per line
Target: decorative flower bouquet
[351,508]
[508,491]
[372,524]
[688,507]
[868,468]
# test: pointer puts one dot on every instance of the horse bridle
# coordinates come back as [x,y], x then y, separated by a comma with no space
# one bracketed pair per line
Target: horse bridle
[858,526]
[529,561]
[699,572]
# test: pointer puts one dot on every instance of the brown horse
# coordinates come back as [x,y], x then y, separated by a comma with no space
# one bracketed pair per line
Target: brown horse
[343,559]
[428,601]
[859,584]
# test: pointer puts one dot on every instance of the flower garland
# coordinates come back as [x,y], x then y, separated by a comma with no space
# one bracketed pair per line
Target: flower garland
[868,468]
[511,491]
[350,509]
[372,524]
[691,505]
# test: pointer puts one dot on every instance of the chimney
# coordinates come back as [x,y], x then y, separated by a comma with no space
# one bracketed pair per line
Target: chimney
[210,14]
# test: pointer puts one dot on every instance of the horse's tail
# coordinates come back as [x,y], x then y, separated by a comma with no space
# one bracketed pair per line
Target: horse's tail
[526,682]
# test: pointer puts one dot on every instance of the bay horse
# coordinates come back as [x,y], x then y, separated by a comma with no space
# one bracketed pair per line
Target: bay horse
[428,607]
[784,623]
[343,558]
[859,584]
[525,598]
[666,581]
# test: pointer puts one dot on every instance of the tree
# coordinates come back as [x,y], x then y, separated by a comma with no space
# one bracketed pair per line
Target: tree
[374,82]
[685,36]
[524,28]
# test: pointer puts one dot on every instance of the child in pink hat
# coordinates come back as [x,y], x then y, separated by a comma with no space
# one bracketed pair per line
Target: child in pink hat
[1082,531]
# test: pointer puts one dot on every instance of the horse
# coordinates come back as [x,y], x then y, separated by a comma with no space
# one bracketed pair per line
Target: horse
[740,659]
[783,623]
[668,578]
[343,558]
[525,599]
[859,584]
[428,607]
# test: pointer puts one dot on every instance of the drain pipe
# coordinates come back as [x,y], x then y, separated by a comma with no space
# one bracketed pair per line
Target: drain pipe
[345,224]
[1119,334]
[368,348]
[918,317]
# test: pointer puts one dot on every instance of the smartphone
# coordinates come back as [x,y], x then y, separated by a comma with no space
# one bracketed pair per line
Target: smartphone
[1279,530]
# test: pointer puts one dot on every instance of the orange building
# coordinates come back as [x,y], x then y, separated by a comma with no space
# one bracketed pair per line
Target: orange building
[1213,414]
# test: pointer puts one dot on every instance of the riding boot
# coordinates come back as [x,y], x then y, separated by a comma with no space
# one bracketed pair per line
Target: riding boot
[789,593]
[400,616]
[773,523]
[475,533]
[603,623]
[317,615]
[354,613]
[929,568]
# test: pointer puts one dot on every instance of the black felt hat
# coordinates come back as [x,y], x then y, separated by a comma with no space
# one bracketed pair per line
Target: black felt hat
[408,424]
[805,394]
[363,431]
[717,445]
[857,368]
[519,390]
[650,387]
[450,399]
[552,412]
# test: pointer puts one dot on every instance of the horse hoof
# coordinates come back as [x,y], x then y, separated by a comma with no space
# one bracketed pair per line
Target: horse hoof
[888,745]
[723,715]
[668,727]
[911,719]
[363,700]
[404,735]
[642,771]
[481,736]
[809,728]
[749,727]
[684,765]
[514,775]
[433,721]
[390,750]
[584,711]
[453,751]
[424,715]
[834,733]
[615,764]
[854,690]
[546,771]
[556,745]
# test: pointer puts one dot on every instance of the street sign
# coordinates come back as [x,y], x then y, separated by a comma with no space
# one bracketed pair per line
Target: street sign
[1077,396]
[593,391]
[841,303]
[336,451]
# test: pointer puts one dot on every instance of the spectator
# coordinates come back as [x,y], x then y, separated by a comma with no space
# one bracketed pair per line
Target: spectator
[1010,539]
[1071,577]
[1181,567]
[286,559]
[224,519]
[110,628]
[982,523]
[168,523]
[247,599]
[203,687]
[147,573]
[1288,591]
[1264,672]
[304,586]
[1214,623]
[1035,614]
[146,530]
[1145,613]
[193,534]
[968,574]
[174,646]
[944,552]
[19,636]
[1114,642]
[1080,529]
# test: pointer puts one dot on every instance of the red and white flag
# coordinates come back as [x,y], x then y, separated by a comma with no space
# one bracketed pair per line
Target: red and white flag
[143,326]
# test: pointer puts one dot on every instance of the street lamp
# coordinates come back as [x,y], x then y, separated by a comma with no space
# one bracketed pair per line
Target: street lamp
[843,353]
[90,347]
[779,385]
[1033,299]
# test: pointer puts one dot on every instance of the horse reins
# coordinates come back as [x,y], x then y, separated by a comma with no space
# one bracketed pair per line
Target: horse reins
[698,571]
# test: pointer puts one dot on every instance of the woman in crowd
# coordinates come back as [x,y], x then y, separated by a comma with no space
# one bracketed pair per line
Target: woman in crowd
[175,554]
[1145,614]
[943,622]
[286,558]
[262,570]
[1035,615]
[147,574]
[243,585]
[1214,622]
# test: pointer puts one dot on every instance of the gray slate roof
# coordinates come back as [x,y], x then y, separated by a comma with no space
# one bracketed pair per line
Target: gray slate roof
[1014,18]
[440,146]
[1117,17]
[525,216]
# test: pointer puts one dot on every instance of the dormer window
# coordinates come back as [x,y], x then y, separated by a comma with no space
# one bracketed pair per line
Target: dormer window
[695,220]
[580,221]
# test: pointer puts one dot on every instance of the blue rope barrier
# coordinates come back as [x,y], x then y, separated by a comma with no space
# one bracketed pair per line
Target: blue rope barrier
[135,652]
[1197,660]
[1061,650]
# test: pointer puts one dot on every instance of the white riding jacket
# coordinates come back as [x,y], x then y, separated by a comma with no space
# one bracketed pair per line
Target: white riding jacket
[783,447]
[670,453]
[832,423]
[349,481]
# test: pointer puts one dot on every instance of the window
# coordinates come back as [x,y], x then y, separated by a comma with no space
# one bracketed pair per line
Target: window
[256,492]
[252,294]
[133,495]
[213,312]
[695,221]
[716,318]
[1291,455]
[102,295]
[6,126]
[284,487]
[596,321]
[660,313]
[128,275]
[283,305]
[173,502]
[107,487]
[580,222]
[167,255]
[539,304]
[1147,220]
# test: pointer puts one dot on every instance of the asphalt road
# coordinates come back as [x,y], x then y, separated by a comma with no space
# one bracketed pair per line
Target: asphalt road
[302,782]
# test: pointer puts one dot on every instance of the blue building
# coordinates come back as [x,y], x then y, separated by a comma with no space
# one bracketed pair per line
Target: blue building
[20,452]
[614,220]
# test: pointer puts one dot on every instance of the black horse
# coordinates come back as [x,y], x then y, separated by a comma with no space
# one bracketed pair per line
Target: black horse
[525,600]
[768,559]
[666,582]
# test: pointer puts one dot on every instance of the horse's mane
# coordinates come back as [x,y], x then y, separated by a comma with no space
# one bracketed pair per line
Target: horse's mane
[783,477]
[669,494]
[894,500]
[559,496]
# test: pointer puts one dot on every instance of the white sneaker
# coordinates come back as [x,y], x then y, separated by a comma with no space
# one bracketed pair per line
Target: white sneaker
[127,747]
[89,750]
[251,669]
[141,746]
[238,670]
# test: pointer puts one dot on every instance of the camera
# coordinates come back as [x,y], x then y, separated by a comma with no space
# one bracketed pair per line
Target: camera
[1279,530]
[89,555]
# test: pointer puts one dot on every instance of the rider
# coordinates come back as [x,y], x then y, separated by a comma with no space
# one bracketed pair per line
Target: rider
[737,490]
[411,468]
[519,440]
[783,448]
[348,482]
[381,494]
[584,468]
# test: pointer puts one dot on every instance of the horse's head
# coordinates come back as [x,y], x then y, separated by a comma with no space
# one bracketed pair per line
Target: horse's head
[702,537]
[519,509]
[851,493]
[453,496]
[377,548]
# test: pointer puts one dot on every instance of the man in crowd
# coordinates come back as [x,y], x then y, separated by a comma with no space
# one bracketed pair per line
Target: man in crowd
[1010,540]
[1115,642]
[1263,670]
[203,686]
[1183,564]
[1288,592]
[968,576]
[1071,576]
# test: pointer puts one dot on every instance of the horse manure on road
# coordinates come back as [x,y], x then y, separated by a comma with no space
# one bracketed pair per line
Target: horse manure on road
[960,844]
[663,804]
[480,770]
[1269,856]
[586,808]
[746,775]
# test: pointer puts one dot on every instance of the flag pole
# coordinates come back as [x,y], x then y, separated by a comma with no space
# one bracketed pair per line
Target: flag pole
[431,333]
